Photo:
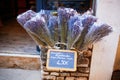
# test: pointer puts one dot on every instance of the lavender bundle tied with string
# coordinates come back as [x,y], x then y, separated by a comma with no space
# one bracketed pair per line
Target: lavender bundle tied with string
[23,18]
[38,26]
[53,27]
[64,15]
[87,22]
[74,29]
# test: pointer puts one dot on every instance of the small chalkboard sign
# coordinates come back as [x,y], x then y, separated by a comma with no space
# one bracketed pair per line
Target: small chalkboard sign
[61,60]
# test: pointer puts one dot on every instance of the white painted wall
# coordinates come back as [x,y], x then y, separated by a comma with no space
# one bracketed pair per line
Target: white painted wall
[104,52]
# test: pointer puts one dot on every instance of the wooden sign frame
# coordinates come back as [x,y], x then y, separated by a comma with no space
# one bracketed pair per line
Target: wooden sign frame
[65,60]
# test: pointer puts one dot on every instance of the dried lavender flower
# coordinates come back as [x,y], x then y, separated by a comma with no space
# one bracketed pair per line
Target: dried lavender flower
[69,27]
[96,33]
[38,26]
[75,28]
[46,14]
[64,15]
[72,20]
[53,27]
[37,39]
[87,22]
[24,17]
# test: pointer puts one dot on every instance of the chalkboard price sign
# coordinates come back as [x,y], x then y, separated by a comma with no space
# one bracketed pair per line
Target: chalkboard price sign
[61,60]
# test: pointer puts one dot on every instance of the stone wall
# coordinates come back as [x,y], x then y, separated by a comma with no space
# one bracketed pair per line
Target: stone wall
[82,72]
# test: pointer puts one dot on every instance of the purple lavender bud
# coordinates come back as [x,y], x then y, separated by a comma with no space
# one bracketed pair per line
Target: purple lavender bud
[88,20]
[75,25]
[53,27]
[75,28]
[72,20]
[38,26]
[96,33]
[101,31]
[53,21]
[46,14]
[24,17]
[66,13]
[69,12]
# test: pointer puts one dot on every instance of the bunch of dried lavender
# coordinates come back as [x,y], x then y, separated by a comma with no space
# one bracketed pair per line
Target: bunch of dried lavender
[64,15]
[38,41]
[38,26]
[74,29]
[46,14]
[87,22]
[53,27]
[68,28]
[96,33]
[24,17]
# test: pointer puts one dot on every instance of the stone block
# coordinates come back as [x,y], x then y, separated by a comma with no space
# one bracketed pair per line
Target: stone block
[45,69]
[60,78]
[70,78]
[77,74]
[49,78]
[82,78]
[64,74]
[45,73]
[84,69]
[44,63]
[83,62]
[90,47]
[54,74]
[87,53]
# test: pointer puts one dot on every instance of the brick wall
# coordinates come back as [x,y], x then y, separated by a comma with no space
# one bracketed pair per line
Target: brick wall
[82,72]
